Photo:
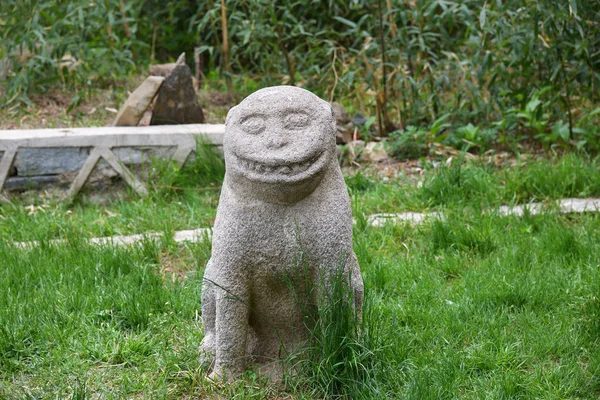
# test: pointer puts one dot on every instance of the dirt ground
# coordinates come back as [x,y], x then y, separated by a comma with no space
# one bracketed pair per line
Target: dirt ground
[99,108]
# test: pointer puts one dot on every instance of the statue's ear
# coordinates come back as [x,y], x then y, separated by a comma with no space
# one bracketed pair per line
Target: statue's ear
[229,114]
[333,121]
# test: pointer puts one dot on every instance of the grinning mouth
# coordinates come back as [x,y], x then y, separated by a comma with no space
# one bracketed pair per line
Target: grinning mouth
[286,169]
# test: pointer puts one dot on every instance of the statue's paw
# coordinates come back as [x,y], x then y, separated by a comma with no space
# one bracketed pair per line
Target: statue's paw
[206,355]
[223,375]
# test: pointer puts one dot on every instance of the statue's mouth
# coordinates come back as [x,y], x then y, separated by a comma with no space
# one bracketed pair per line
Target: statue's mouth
[274,171]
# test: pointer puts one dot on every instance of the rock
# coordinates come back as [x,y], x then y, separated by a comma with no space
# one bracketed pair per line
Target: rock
[345,129]
[146,118]
[355,149]
[359,120]
[133,109]
[344,134]
[357,144]
[283,231]
[165,69]
[176,101]
[15,183]
[53,161]
[32,161]
[374,152]
[340,114]
[141,155]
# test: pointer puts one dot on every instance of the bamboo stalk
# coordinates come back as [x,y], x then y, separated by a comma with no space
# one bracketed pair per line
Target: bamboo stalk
[286,54]
[198,64]
[125,22]
[385,125]
[227,65]
[127,27]
[153,48]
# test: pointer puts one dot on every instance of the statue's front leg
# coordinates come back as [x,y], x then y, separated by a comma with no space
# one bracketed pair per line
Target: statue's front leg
[232,314]
[207,347]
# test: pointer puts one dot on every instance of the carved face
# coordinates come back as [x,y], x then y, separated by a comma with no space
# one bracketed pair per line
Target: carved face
[279,135]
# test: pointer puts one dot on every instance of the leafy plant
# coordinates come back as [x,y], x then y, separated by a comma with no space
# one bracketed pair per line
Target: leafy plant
[55,43]
[408,143]
[204,170]
[527,69]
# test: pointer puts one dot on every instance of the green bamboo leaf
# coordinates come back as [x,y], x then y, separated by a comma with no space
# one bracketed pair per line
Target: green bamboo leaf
[573,7]
[345,21]
[482,19]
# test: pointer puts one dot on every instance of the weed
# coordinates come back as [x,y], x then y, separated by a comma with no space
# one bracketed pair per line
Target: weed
[204,170]
[409,143]
[337,360]
[459,183]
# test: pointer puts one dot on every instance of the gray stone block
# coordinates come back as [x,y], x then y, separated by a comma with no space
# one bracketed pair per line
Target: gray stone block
[49,161]
[141,155]
[16,183]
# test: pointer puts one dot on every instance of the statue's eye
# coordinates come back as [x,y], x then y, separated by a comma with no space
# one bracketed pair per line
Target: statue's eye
[296,120]
[253,124]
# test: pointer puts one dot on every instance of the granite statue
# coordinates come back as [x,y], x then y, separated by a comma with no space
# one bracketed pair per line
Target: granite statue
[283,225]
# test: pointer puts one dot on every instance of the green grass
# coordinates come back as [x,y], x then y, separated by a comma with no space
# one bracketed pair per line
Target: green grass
[477,184]
[472,306]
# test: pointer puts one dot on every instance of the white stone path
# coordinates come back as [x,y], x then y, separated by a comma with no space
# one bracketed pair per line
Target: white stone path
[564,206]
[374,220]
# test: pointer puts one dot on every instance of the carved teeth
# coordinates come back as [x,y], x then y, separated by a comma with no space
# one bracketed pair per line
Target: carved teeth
[285,169]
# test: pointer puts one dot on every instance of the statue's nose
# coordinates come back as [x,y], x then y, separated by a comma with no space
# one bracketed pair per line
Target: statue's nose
[276,141]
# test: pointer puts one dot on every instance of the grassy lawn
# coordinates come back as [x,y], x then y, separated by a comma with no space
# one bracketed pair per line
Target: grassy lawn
[472,306]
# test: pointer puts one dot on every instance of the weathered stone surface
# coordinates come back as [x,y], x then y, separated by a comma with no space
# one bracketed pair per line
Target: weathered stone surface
[140,155]
[176,101]
[136,104]
[345,128]
[31,182]
[374,152]
[340,113]
[49,161]
[146,118]
[283,223]
[35,162]
[355,149]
